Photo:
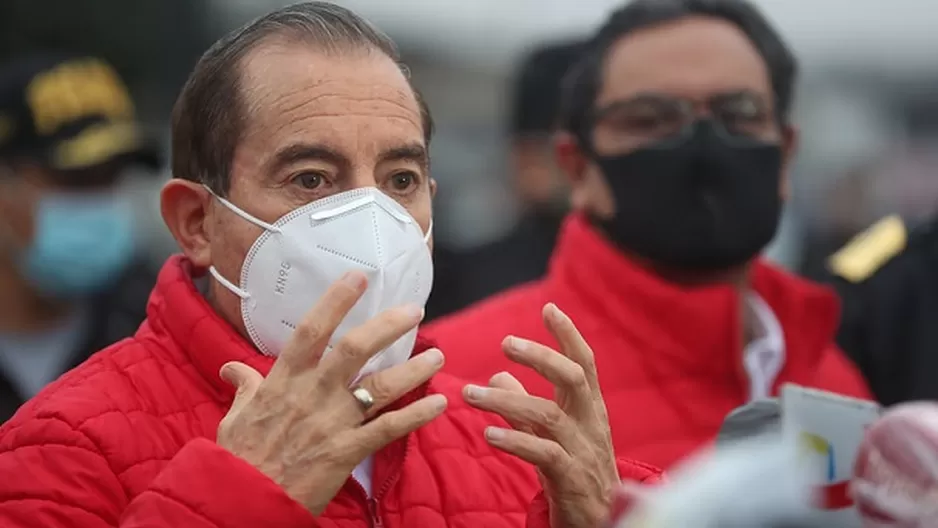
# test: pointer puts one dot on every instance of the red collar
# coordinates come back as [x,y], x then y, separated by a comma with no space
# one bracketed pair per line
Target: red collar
[697,327]
[178,310]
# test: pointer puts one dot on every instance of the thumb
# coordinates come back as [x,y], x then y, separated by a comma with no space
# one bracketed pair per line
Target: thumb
[245,379]
[504,380]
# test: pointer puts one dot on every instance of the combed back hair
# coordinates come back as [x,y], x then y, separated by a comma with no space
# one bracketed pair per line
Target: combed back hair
[210,115]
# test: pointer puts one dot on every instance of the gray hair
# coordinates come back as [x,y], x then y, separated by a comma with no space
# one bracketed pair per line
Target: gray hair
[209,116]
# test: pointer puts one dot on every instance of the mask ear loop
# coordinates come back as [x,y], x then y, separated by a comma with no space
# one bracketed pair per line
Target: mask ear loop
[230,286]
[240,212]
[429,233]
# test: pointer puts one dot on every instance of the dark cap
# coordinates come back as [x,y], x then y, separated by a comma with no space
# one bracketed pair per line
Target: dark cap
[69,112]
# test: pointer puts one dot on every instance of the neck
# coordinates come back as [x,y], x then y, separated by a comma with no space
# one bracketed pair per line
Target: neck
[23,310]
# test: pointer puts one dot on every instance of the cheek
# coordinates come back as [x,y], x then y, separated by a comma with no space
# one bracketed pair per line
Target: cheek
[231,239]
[420,206]
[592,194]
[18,219]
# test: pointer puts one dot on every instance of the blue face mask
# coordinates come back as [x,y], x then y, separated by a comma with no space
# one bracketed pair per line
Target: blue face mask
[81,241]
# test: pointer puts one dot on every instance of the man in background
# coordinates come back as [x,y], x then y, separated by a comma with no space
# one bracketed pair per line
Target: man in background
[70,282]
[886,277]
[677,138]
[522,254]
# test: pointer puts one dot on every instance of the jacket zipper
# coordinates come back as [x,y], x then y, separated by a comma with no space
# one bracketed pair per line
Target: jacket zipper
[374,508]
[375,518]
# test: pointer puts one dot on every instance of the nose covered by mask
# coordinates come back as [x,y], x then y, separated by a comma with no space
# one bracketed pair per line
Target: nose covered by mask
[706,203]
[81,241]
[292,264]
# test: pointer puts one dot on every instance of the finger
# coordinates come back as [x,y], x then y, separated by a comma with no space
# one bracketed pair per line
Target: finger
[390,426]
[363,342]
[389,385]
[569,377]
[245,379]
[549,456]
[527,412]
[504,380]
[894,505]
[572,344]
[316,328]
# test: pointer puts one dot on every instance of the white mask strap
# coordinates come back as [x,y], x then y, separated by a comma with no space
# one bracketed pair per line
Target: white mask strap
[240,212]
[228,284]
[429,233]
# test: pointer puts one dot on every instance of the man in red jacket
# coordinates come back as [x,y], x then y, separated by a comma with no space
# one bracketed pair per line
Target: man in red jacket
[677,139]
[273,382]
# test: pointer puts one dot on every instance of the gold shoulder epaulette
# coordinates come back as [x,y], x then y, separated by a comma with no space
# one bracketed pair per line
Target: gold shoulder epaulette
[870,250]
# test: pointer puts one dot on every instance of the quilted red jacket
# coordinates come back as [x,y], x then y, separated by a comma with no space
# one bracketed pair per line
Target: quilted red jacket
[669,359]
[126,440]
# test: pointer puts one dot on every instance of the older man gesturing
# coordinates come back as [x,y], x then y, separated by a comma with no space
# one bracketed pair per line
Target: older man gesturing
[279,380]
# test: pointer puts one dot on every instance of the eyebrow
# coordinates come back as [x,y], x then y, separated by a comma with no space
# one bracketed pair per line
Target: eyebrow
[734,94]
[306,152]
[414,152]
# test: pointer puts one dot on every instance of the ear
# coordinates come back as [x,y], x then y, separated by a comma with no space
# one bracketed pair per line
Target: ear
[432,188]
[570,157]
[186,209]
[790,142]
[574,163]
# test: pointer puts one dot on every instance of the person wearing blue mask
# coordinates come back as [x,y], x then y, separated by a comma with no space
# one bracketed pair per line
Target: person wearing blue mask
[70,279]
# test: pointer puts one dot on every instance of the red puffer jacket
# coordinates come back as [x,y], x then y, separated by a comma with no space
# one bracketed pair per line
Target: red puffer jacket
[669,359]
[126,440]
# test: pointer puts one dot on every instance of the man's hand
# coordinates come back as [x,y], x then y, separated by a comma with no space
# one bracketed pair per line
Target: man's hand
[301,426]
[568,439]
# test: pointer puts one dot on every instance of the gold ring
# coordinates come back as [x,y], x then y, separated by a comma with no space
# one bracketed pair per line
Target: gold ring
[364,398]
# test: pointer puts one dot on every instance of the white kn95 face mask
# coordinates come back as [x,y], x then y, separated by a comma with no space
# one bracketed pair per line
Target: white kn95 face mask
[299,256]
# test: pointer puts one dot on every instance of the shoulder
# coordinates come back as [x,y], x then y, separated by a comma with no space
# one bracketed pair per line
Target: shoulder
[77,394]
[64,407]
[836,373]
[889,265]
[491,317]
[105,393]
[870,252]
[471,339]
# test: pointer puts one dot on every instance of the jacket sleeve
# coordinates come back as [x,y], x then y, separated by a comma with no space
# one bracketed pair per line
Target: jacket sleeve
[53,476]
[539,511]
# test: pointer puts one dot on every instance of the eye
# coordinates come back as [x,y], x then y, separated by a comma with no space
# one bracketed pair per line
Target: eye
[308,180]
[403,181]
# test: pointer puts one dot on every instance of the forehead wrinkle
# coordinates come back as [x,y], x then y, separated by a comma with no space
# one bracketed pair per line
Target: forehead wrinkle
[285,114]
[374,101]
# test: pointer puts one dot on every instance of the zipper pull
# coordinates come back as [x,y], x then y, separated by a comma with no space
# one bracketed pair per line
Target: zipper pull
[375,518]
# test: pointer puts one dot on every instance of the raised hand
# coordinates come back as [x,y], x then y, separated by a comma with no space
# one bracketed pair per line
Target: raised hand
[302,426]
[567,438]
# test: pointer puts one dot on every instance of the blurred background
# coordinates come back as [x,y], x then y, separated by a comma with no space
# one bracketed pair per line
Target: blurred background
[867,106]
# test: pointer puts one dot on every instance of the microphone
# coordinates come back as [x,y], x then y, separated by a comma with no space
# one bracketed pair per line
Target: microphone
[895,481]
[756,418]
[748,483]
[754,477]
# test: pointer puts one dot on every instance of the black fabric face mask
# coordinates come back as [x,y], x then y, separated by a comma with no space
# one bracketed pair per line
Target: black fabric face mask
[706,203]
